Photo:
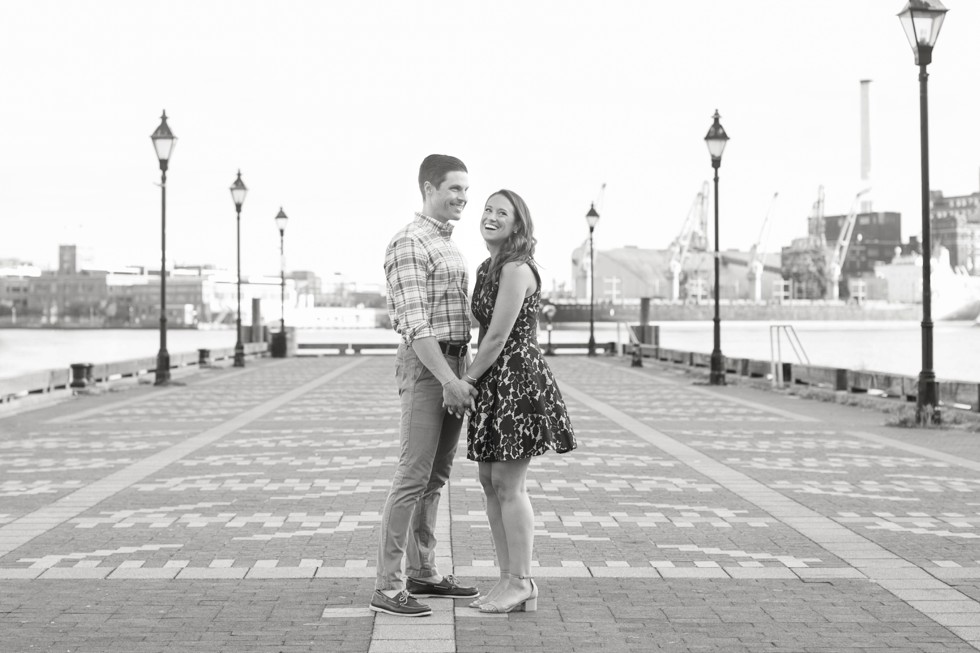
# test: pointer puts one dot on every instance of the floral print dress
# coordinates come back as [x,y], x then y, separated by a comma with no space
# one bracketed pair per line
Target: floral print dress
[519,410]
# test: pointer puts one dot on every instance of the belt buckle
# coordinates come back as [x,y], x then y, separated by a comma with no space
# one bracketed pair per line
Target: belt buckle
[452,349]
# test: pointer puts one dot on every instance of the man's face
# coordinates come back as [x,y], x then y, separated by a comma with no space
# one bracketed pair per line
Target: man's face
[446,203]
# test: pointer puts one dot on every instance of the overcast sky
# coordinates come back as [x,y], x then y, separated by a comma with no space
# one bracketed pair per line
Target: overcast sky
[328,108]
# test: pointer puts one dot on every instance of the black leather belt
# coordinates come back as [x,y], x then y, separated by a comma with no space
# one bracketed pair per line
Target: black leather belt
[456,349]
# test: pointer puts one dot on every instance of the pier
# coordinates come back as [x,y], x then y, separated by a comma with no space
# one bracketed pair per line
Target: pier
[238,510]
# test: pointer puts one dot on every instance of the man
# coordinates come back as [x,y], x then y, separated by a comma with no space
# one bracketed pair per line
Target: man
[429,307]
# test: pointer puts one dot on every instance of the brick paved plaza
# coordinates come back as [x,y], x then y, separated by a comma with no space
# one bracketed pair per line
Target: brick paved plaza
[239,512]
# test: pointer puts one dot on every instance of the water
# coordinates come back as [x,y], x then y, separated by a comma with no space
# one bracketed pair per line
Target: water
[867,345]
[893,347]
[29,350]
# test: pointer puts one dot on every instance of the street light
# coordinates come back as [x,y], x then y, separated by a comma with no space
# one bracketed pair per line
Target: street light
[922,20]
[163,142]
[592,217]
[716,140]
[238,193]
[281,220]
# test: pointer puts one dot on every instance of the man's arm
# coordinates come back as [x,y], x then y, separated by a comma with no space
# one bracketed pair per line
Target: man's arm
[406,268]
[457,394]
[406,264]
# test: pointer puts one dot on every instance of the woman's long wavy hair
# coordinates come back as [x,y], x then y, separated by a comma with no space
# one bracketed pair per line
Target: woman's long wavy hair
[520,245]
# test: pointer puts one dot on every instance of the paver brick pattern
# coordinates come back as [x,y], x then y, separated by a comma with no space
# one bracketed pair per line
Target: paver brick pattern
[264,538]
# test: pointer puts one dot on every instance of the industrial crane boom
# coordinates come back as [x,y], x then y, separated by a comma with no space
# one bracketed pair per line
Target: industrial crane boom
[692,236]
[758,247]
[839,253]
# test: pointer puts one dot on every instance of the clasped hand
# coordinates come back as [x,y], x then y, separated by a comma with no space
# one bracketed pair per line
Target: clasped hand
[458,397]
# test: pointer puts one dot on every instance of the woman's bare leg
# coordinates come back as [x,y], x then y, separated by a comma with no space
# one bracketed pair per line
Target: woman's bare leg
[497,530]
[509,481]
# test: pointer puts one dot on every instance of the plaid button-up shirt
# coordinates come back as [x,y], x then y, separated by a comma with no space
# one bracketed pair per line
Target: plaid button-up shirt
[427,283]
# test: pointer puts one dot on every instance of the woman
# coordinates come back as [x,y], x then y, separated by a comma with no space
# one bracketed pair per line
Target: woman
[519,410]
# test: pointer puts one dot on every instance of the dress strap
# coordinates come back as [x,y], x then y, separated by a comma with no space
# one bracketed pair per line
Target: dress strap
[537,276]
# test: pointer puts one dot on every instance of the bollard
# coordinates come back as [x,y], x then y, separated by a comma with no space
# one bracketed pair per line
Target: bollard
[637,357]
[254,333]
[81,375]
[278,348]
[204,358]
[548,312]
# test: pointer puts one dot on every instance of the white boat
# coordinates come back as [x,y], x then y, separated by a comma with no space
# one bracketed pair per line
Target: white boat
[955,293]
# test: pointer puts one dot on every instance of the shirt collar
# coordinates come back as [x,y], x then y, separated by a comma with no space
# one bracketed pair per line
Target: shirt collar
[444,228]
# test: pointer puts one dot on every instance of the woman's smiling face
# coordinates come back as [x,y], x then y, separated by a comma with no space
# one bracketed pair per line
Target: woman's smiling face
[498,221]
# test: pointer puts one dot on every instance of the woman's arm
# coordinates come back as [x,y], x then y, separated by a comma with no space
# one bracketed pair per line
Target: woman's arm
[516,279]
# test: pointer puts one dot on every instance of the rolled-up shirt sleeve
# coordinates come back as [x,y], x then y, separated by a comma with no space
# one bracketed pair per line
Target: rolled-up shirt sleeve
[406,271]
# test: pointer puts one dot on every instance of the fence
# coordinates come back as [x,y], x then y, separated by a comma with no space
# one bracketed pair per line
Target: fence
[81,375]
[956,394]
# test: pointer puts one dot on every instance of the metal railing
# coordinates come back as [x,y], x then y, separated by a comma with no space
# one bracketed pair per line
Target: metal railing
[776,333]
[81,375]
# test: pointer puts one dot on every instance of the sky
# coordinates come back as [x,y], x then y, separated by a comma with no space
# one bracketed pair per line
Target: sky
[327,108]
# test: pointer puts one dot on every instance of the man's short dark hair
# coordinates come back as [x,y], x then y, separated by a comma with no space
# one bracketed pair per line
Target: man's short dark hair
[434,169]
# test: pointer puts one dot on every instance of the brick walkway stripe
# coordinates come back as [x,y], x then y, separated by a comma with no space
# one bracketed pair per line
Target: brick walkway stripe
[431,634]
[950,607]
[26,528]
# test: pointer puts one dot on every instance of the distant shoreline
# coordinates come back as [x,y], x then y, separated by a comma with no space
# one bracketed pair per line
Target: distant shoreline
[606,313]
[101,327]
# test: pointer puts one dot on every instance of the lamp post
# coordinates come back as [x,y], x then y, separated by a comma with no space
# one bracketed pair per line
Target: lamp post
[281,220]
[163,142]
[716,140]
[592,217]
[922,20]
[238,193]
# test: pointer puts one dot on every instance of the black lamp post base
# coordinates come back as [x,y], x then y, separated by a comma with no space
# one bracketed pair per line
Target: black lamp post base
[717,376]
[591,346]
[928,415]
[162,373]
[239,355]
[927,410]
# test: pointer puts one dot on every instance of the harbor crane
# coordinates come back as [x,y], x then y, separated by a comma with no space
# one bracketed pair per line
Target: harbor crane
[839,253]
[757,261]
[598,200]
[693,236]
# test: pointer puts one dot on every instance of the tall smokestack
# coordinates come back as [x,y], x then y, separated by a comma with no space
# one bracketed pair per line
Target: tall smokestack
[866,142]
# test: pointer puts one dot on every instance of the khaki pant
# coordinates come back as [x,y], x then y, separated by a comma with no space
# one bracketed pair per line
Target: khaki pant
[428,436]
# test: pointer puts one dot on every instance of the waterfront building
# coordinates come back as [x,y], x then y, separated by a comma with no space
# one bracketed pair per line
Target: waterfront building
[195,296]
[130,296]
[63,296]
[956,226]
[135,299]
[15,288]
[874,239]
[804,268]
[14,291]
[309,287]
[626,274]
[68,298]
[807,262]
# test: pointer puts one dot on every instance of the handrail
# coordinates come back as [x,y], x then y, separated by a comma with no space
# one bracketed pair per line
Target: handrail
[776,350]
[43,381]
[634,339]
